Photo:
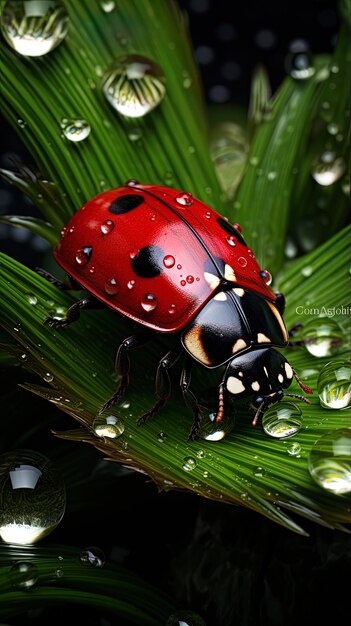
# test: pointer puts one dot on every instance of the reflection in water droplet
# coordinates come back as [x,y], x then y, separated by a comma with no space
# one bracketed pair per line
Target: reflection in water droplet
[189,463]
[231,241]
[294,448]
[149,302]
[329,461]
[32,497]
[134,85]
[92,556]
[76,130]
[107,227]
[299,65]
[185,618]
[328,168]
[322,337]
[23,575]
[334,385]
[33,28]
[282,420]
[184,199]
[32,299]
[267,277]
[111,287]
[168,261]
[108,426]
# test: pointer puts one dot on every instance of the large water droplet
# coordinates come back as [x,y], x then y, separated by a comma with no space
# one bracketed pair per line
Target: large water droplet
[229,152]
[168,261]
[184,199]
[34,28]
[329,461]
[149,302]
[134,85]
[299,64]
[185,618]
[189,463]
[282,420]
[267,277]
[294,448]
[32,299]
[107,227]
[328,168]
[76,130]
[108,426]
[107,5]
[23,575]
[32,497]
[92,556]
[322,337]
[334,385]
[111,287]
[83,255]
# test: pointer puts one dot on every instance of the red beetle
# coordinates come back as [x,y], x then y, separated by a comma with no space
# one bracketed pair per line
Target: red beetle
[174,265]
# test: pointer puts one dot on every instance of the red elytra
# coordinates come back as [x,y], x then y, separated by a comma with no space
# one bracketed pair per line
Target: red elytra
[155,254]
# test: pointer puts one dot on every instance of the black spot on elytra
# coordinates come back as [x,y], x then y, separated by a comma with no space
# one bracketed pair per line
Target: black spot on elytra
[228,228]
[148,263]
[125,203]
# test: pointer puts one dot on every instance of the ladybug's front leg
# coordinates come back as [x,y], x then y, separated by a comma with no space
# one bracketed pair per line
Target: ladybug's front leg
[190,399]
[163,383]
[73,312]
[70,285]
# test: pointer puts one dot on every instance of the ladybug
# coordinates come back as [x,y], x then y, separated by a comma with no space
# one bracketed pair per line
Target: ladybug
[172,264]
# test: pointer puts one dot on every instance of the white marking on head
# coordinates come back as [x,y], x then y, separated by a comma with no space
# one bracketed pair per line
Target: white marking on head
[229,273]
[281,378]
[241,374]
[239,292]
[288,370]
[255,385]
[212,280]
[234,385]
[240,344]
[220,296]
[261,338]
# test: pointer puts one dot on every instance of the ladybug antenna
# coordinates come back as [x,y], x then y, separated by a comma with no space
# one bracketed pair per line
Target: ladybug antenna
[220,410]
[257,414]
[298,397]
[304,387]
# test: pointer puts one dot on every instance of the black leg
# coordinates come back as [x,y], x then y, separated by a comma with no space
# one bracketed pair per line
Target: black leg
[190,398]
[163,383]
[122,364]
[73,312]
[70,285]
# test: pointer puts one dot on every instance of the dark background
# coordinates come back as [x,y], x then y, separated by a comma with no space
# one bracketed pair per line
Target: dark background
[231,565]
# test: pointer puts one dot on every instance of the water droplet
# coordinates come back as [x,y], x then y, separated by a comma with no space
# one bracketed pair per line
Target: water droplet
[272,175]
[209,429]
[190,279]
[291,249]
[32,299]
[24,357]
[149,302]
[242,261]
[293,448]
[322,337]
[207,215]
[108,426]
[134,85]
[282,420]
[111,287]
[267,277]
[332,128]
[108,6]
[185,618]
[131,284]
[299,64]
[134,134]
[23,575]
[307,271]
[334,385]
[189,464]
[32,497]
[346,185]
[259,471]
[231,241]
[76,130]
[48,377]
[34,28]
[59,313]
[21,123]
[83,255]
[107,227]
[162,437]
[92,556]
[59,573]
[168,261]
[200,454]
[172,309]
[179,267]
[184,199]
[329,461]
[328,168]
[183,283]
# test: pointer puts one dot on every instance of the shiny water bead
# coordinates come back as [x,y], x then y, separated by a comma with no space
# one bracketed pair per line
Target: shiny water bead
[299,64]
[109,426]
[184,199]
[76,130]
[334,385]
[267,277]
[92,556]
[185,618]
[328,168]
[107,227]
[134,85]
[32,497]
[34,28]
[282,420]
[209,429]
[149,302]
[228,150]
[189,464]
[322,337]
[23,575]
[329,461]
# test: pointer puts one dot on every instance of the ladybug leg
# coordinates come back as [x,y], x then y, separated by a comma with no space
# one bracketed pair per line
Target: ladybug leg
[73,312]
[190,399]
[122,364]
[163,384]
[71,284]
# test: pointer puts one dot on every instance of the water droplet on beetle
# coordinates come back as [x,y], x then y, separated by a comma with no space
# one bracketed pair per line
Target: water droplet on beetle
[299,64]
[282,420]
[179,267]
[32,299]
[183,283]
[92,556]
[293,448]
[185,618]
[207,215]
[131,284]
[34,28]
[83,255]
[328,168]
[267,277]
[109,426]
[168,261]
[242,261]
[189,464]
[134,85]
[322,337]
[149,302]
[329,461]
[231,241]
[108,6]
[172,309]
[190,279]
[76,130]
[334,385]
[23,575]
[184,199]
[111,287]
[107,227]
[32,497]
